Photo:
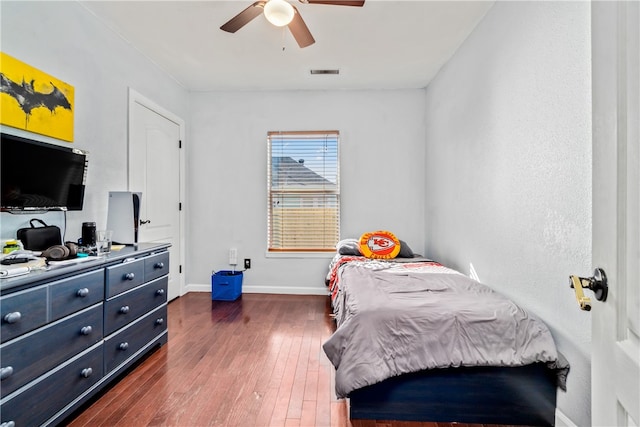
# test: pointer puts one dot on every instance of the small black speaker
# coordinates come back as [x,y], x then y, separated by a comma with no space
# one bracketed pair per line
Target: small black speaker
[88,234]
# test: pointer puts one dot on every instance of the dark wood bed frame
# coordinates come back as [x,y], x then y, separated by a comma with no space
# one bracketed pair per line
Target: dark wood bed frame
[523,395]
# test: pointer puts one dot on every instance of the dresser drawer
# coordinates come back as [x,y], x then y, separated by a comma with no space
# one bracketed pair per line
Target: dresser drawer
[75,293]
[22,312]
[132,304]
[35,405]
[121,346]
[122,277]
[22,359]
[156,266]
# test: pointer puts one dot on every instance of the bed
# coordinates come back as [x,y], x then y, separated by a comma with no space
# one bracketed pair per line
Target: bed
[417,341]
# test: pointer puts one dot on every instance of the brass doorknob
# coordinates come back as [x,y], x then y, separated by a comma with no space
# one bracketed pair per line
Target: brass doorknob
[597,283]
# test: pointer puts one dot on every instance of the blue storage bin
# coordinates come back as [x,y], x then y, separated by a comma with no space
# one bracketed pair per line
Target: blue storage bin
[226,285]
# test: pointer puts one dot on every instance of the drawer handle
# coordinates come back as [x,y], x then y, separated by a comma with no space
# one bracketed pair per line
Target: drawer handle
[8,424]
[123,346]
[82,292]
[86,372]
[158,265]
[160,292]
[6,372]
[86,330]
[159,321]
[12,317]
[129,276]
[124,309]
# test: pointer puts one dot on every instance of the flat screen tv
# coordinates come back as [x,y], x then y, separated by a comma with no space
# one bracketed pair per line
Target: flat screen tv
[41,176]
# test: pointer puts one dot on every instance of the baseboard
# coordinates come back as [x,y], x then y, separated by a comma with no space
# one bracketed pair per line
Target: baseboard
[563,421]
[287,290]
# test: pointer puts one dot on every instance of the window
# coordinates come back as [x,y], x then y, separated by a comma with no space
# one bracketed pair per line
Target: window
[304,191]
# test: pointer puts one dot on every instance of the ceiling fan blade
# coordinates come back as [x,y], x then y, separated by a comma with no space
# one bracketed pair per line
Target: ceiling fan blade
[244,17]
[300,30]
[357,3]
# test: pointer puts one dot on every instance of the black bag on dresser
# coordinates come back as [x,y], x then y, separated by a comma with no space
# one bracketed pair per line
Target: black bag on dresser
[39,238]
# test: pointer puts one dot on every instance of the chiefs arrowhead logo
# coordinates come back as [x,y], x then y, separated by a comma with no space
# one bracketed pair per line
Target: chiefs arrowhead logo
[379,244]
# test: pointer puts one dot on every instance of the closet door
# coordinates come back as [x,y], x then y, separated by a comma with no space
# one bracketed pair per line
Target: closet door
[156,170]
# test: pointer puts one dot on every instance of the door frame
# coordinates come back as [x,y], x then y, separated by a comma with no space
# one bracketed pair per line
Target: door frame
[137,98]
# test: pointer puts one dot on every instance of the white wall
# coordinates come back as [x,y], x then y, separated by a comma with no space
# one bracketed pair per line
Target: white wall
[508,168]
[505,184]
[65,40]
[382,176]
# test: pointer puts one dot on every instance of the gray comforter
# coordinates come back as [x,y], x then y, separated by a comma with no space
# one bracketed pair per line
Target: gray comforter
[393,320]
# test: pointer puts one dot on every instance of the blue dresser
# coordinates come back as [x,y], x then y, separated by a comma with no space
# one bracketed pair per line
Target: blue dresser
[68,332]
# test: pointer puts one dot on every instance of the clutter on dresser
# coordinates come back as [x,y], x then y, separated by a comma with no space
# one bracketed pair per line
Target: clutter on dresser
[10,246]
[88,239]
[39,238]
[19,262]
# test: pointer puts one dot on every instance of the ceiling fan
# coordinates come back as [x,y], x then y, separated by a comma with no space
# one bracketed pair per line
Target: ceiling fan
[281,13]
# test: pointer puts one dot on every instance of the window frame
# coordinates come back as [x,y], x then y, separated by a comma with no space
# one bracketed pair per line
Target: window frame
[278,250]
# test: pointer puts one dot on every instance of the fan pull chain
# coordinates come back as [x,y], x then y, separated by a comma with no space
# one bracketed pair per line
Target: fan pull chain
[283,34]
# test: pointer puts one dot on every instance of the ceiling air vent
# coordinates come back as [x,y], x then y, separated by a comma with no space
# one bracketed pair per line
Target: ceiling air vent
[325,71]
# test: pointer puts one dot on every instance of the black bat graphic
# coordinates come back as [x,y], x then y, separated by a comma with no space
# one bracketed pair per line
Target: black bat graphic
[28,98]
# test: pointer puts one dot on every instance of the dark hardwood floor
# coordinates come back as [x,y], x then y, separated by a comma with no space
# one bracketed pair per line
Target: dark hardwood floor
[257,361]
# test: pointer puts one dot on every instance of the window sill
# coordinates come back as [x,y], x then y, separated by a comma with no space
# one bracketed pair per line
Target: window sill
[325,255]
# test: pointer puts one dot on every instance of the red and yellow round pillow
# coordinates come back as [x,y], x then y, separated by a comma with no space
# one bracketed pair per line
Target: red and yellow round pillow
[379,244]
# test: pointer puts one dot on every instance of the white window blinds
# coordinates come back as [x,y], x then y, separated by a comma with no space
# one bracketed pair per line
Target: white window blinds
[304,191]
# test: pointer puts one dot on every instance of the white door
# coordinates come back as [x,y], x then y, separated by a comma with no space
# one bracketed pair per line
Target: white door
[615,372]
[155,170]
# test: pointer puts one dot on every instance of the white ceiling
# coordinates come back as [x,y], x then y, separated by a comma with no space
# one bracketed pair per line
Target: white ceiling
[383,45]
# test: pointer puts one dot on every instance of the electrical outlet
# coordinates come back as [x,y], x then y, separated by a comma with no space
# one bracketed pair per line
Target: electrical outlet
[247,263]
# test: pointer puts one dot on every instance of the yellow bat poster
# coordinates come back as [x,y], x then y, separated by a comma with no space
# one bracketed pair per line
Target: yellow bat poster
[34,101]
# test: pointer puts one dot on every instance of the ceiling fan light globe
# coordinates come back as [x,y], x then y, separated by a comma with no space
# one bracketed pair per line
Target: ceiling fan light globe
[278,12]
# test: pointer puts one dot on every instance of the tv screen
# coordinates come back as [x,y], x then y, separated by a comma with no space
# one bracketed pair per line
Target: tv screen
[40,176]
